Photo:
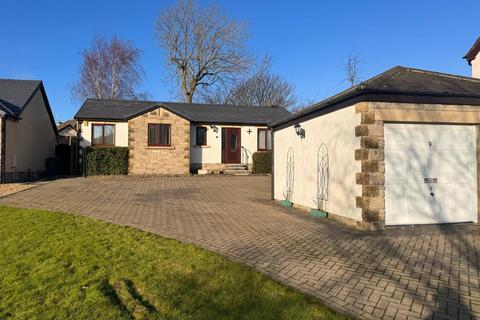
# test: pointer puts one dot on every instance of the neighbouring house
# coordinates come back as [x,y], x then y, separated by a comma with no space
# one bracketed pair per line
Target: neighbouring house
[178,138]
[28,131]
[398,149]
[67,130]
[473,58]
[67,147]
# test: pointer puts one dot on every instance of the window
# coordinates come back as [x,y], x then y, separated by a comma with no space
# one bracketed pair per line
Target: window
[201,134]
[103,134]
[264,140]
[233,140]
[158,134]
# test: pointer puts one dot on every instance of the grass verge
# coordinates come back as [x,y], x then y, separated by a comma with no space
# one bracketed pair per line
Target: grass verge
[61,266]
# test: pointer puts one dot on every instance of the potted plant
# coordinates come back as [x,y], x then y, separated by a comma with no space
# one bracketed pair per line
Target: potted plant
[320,211]
[286,203]
[322,183]
[317,213]
[289,180]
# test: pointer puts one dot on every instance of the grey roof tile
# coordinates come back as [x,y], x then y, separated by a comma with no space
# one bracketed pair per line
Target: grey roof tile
[399,82]
[14,94]
[72,123]
[122,110]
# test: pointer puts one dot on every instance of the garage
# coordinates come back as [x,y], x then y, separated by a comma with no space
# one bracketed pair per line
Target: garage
[430,174]
[401,149]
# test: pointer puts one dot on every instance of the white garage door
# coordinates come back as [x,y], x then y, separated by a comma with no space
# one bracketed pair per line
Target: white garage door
[430,174]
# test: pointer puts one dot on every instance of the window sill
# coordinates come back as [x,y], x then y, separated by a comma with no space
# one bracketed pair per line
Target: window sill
[160,147]
[201,146]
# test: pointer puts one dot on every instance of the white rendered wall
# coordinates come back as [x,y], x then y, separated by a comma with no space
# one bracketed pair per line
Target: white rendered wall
[476,67]
[30,140]
[212,152]
[121,132]
[337,131]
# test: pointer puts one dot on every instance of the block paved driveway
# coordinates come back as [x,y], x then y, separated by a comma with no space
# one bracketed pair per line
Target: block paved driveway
[423,272]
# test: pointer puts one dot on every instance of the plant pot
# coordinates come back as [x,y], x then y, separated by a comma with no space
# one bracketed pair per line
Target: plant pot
[318,213]
[286,203]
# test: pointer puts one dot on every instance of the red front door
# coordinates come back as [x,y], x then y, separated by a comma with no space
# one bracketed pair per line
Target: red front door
[231,145]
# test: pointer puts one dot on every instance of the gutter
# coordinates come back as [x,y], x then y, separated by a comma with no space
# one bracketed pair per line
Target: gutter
[347,94]
[100,120]
[360,93]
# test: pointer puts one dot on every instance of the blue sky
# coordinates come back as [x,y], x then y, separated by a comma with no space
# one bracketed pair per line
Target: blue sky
[309,40]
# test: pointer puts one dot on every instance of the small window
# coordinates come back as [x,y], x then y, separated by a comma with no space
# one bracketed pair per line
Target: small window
[103,134]
[264,140]
[158,134]
[201,134]
[233,141]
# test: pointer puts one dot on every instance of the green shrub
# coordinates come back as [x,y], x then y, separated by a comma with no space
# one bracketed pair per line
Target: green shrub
[262,162]
[106,160]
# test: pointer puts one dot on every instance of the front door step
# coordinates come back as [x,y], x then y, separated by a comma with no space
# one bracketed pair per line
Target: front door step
[237,172]
[236,169]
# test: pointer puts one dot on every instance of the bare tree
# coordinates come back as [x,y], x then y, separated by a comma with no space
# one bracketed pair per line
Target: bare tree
[352,69]
[219,95]
[262,88]
[110,69]
[203,47]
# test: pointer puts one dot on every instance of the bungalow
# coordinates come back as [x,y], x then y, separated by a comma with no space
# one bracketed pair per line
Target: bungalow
[398,149]
[178,138]
[28,132]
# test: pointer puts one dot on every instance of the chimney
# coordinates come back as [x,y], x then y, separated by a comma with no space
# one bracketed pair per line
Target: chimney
[473,59]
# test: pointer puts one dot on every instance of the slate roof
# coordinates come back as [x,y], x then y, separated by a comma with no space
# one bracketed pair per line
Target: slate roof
[14,95]
[123,110]
[402,84]
[472,53]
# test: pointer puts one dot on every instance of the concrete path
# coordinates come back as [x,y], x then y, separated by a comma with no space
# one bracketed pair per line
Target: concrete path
[424,272]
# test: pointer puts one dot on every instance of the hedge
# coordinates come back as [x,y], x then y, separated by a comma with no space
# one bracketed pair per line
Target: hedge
[106,160]
[262,162]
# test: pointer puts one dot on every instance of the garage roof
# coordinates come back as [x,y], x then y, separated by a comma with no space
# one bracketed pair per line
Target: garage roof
[123,110]
[401,84]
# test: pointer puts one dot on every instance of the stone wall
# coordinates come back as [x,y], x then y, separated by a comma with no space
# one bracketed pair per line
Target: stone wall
[144,159]
[372,176]
[214,167]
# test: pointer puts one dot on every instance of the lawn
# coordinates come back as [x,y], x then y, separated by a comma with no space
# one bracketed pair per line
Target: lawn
[61,266]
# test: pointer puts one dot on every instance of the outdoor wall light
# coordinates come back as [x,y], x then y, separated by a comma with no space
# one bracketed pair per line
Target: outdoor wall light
[214,127]
[299,130]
